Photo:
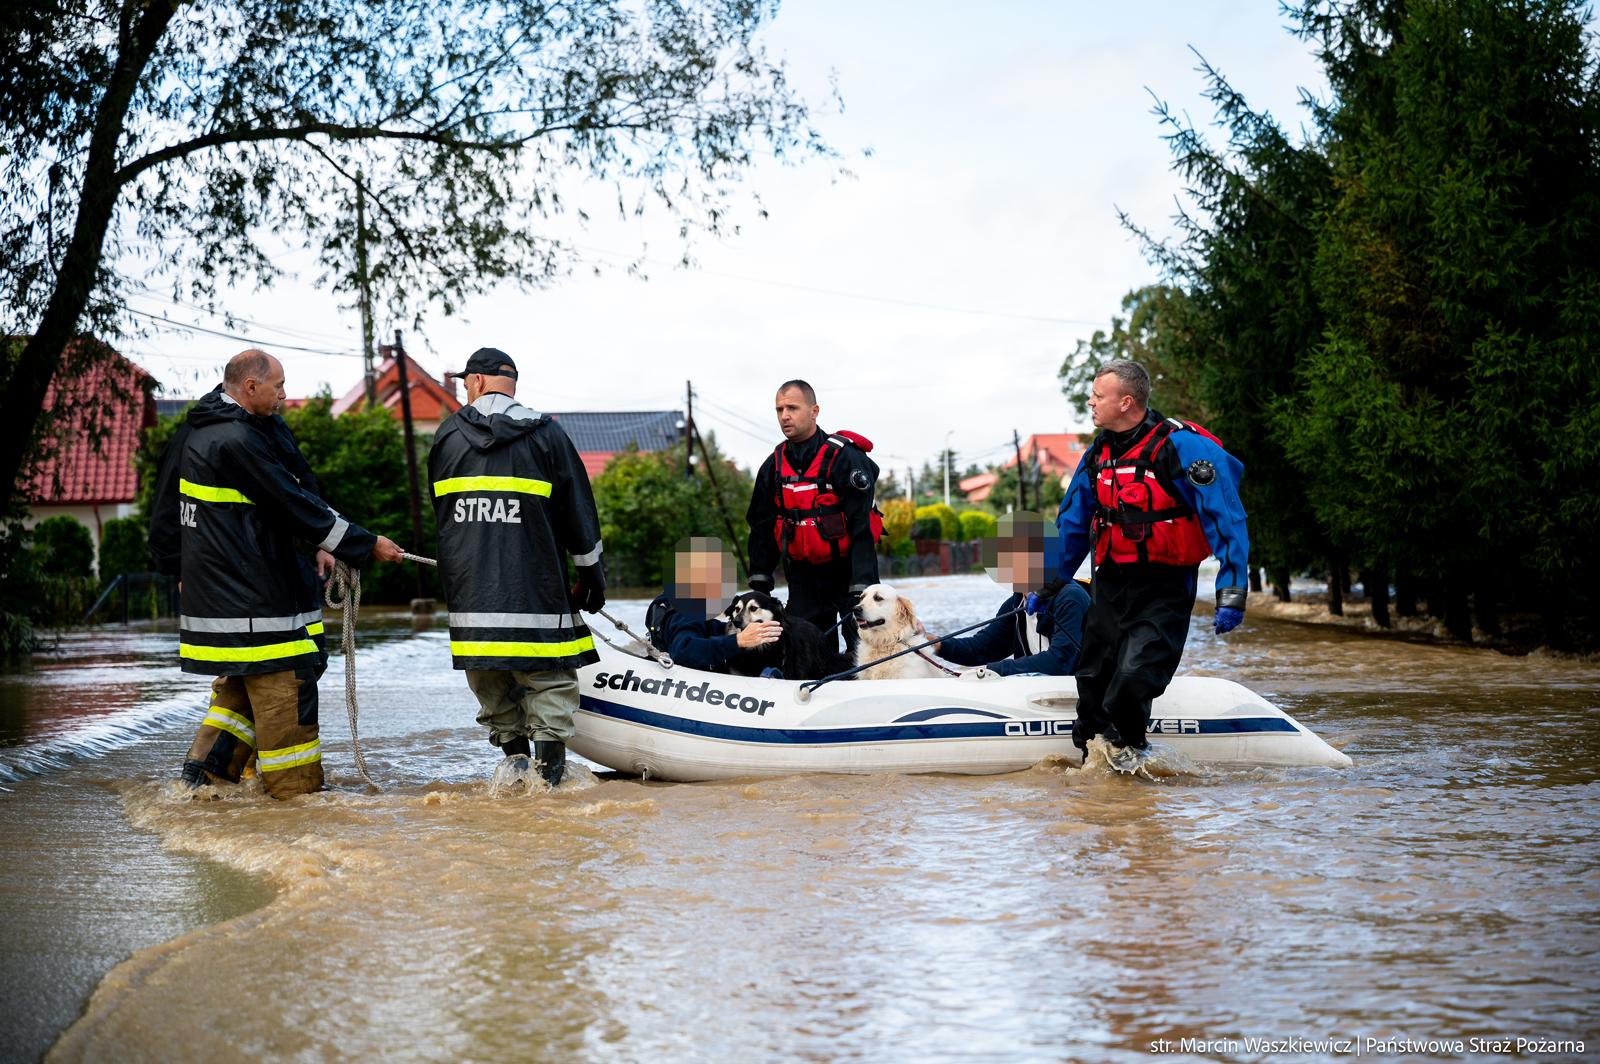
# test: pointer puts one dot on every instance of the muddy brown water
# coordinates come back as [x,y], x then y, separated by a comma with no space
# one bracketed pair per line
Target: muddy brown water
[1443,889]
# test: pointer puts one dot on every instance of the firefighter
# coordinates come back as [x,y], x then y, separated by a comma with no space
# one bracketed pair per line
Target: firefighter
[1046,636]
[1153,497]
[812,512]
[513,503]
[247,617]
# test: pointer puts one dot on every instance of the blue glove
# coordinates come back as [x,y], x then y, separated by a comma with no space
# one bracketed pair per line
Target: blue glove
[1033,603]
[1228,619]
[772,672]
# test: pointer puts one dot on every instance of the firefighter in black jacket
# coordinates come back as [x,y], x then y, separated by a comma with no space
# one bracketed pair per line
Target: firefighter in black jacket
[812,511]
[246,615]
[513,502]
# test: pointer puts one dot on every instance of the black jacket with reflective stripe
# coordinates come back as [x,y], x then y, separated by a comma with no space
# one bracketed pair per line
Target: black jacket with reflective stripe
[246,606]
[512,502]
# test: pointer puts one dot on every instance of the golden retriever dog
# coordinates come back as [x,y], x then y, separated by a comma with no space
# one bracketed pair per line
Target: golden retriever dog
[888,623]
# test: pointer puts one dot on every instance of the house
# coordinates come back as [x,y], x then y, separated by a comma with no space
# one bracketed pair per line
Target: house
[431,401]
[1057,454]
[86,468]
[600,435]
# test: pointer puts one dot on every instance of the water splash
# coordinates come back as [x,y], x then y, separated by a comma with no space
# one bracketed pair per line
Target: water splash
[98,737]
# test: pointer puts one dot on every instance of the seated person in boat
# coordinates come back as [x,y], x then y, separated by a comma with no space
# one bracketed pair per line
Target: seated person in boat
[1048,634]
[687,620]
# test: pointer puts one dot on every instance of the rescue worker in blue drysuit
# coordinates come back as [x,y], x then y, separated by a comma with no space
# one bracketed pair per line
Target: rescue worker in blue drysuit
[1046,636]
[1153,497]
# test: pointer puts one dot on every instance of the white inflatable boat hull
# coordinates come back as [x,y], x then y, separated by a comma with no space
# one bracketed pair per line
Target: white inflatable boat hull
[681,724]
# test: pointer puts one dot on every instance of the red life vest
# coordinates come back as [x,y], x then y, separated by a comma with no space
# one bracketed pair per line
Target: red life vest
[811,522]
[1138,516]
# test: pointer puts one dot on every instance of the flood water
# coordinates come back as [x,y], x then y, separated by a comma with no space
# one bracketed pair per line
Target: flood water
[1444,888]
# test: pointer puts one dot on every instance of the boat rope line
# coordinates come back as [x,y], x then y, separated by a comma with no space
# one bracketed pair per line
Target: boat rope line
[343,593]
[811,685]
[664,660]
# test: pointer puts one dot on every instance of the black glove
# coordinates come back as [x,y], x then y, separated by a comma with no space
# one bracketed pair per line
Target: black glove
[762,583]
[589,593]
[853,596]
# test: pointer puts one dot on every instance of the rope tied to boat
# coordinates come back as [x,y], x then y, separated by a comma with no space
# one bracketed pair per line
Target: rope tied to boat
[343,593]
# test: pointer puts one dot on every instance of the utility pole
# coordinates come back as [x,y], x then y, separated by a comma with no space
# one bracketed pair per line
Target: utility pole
[688,429]
[411,465]
[944,460]
[1022,473]
[364,290]
[911,484]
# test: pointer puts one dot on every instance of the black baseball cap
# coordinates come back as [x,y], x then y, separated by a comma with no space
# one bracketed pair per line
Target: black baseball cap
[492,362]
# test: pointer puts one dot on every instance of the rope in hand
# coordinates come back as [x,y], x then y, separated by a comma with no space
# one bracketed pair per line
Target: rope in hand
[347,582]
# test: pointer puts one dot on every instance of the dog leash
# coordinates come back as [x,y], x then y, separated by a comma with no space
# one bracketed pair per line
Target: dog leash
[805,689]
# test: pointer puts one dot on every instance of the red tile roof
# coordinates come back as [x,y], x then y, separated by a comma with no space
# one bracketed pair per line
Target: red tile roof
[88,462]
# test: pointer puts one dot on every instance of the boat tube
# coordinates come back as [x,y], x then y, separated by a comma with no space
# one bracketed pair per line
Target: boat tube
[675,723]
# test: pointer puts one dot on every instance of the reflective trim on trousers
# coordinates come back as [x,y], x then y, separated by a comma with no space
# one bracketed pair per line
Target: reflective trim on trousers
[289,756]
[240,625]
[512,620]
[292,649]
[522,485]
[521,650]
[207,493]
[240,727]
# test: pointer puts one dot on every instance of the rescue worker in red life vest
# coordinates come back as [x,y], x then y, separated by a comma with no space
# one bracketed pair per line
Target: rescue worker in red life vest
[513,503]
[812,512]
[245,615]
[1153,497]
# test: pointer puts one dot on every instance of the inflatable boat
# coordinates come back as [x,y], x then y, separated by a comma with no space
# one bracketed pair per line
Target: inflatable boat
[674,723]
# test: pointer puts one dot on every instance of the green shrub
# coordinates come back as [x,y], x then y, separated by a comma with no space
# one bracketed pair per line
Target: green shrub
[976,524]
[949,523]
[63,547]
[123,548]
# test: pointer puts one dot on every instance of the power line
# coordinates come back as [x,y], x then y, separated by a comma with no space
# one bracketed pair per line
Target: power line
[301,334]
[235,336]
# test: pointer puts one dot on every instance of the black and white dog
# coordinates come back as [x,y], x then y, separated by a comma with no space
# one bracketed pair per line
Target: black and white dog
[800,654]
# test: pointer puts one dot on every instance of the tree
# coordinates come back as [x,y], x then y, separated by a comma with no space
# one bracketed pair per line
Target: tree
[1157,335]
[1045,490]
[170,135]
[124,547]
[647,506]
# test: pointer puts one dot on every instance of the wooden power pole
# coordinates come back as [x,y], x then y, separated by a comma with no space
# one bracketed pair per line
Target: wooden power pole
[411,463]
[364,291]
[1022,473]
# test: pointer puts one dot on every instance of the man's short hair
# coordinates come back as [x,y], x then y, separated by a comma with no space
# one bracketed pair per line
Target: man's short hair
[803,388]
[1132,376]
[252,363]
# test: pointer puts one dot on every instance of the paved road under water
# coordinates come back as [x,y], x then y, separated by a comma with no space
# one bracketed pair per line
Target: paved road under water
[1444,888]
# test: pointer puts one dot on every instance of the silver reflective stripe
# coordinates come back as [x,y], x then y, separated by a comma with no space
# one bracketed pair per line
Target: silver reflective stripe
[512,620]
[588,559]
[500,403]
[242,625]
[336,534]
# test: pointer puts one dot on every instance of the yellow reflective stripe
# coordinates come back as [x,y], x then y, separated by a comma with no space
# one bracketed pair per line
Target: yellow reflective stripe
[206,493]
[291,649]
[229,721]
[314,629]
[289,756]
[521,650]
[524,485]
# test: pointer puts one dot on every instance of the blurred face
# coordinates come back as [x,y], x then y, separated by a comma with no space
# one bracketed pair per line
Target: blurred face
[263,395]
[1020,556]
[796,417]
[1110,407]
[704,573]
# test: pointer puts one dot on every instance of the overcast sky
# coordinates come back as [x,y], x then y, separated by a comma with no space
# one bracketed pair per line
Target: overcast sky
[936,292]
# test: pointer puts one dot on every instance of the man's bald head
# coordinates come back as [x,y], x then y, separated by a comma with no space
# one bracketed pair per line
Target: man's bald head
[255,381]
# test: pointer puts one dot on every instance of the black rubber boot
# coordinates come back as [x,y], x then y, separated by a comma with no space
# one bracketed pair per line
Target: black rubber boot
[516,747]
[194,775]
[550,758]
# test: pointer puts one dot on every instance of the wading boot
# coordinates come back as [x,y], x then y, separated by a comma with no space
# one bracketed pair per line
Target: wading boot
[517,747]
[194,776]
[551,759]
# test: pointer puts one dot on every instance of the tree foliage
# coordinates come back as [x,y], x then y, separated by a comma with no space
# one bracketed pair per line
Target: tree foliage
[166,138]
[1155,334]
[1391,321]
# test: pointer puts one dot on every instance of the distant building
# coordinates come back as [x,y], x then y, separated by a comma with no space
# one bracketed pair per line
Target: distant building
[431,401]
[86,468]
[1058,455]
[600,435]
